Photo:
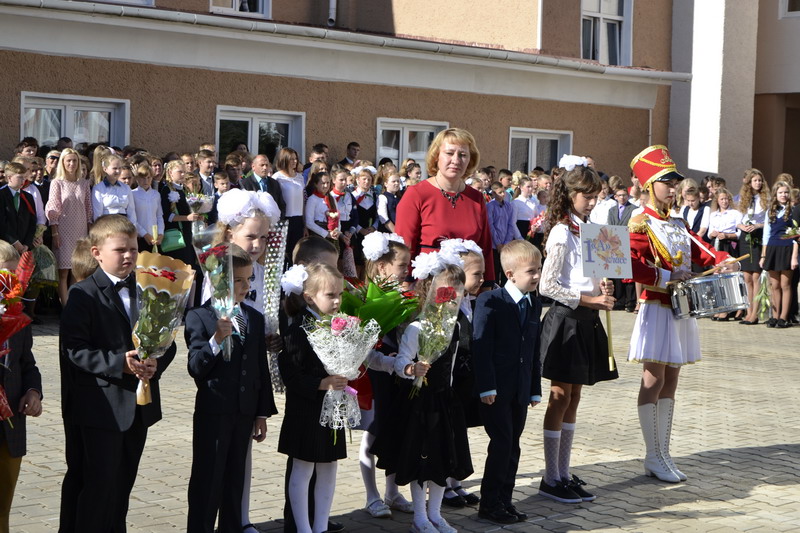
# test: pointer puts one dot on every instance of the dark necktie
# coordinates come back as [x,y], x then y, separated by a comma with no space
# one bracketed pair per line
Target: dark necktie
[264,184]
[523,310]
[16,201]
[239,318]
[127,283]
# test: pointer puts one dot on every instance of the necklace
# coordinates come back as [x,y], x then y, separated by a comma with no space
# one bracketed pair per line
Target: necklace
[451,199]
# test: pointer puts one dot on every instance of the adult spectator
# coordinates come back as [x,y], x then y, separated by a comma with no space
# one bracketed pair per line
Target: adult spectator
[353,149]
[292,186]
[260,180]
[442,206]
[50,164]
[591,164]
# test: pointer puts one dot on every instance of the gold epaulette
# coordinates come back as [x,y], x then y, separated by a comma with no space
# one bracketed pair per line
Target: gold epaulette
[638,224]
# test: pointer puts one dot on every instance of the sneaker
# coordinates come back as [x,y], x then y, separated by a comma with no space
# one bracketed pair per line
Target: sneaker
[443,527]
[378,509]
[576,485]
[398,503]
[560,492]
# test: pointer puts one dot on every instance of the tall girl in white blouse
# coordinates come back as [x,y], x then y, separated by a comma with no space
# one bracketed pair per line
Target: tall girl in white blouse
[574,343]
[723,230]
[110,196]
[753,200]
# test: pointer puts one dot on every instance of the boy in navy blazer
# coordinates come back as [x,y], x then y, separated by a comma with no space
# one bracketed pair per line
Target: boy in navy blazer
[505,351]
[234,399]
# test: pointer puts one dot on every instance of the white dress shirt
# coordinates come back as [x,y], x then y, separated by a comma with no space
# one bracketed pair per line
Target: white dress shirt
[562,274]
[113,200]
[292,191]
[33,190]
[725,222]
[124,294]
[147,204]
[315,211]
[525,208]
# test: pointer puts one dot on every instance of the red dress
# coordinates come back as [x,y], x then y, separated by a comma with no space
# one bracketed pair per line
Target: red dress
[425,218]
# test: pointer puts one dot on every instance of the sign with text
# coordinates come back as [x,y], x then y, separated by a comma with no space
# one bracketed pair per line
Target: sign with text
[606,251]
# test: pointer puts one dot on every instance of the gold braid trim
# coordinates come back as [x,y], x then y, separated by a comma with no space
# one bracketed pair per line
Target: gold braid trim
[675,261]
[637,226]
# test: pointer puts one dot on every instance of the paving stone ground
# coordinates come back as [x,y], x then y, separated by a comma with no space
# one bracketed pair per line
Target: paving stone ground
[736,435]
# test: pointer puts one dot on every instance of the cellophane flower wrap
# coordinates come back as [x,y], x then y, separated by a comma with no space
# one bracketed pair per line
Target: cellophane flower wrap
[163,285]
[216,263]
[202,204]
[12,318]
[46,272]
[274,263]
[380,300]
[341,343]
[437,320]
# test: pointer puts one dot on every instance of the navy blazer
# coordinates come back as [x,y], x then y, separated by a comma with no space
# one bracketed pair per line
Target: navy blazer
[17,225]
[95,335]
[505,353]
[239,386]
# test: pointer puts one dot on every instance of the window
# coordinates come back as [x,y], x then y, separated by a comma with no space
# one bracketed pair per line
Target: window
[790,8]
[606,31]
[263,131]
[402,139]
[48,117]
[247,8]
[529,148]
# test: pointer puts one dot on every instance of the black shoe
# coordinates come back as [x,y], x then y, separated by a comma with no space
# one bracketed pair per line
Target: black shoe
[37,321]
[771,323]
[781,323]
[335,527]
[576,485]
[497,515]
[521,517]
[472,499]
[560,492]
[457,501]
[748,323]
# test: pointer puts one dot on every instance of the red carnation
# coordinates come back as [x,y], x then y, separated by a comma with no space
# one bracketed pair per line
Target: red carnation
[445,294]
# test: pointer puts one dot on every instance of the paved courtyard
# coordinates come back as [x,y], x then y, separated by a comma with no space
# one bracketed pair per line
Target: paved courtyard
[736,435]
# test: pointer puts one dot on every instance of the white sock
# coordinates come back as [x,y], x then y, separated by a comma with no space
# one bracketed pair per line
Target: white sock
[367,463]
[248,477]
[324,489]
[565,449]
[435,495]
[552,441]
[418,497]
[298,493]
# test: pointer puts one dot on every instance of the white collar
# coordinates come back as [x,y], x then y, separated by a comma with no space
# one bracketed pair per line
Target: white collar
[515,293]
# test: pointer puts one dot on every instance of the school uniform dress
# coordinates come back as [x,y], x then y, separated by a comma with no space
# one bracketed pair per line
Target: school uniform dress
[660,246]
[779,251]
[387,210]
[367,210]
[464,367]
[725,222]
[149,213]
[574,343]
[230,396]
[170,210]
[751,243]
[427,437]
[302,437]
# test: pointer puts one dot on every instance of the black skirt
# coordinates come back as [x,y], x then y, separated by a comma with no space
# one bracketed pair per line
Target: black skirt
[778,258]
[575,346]
[753,247]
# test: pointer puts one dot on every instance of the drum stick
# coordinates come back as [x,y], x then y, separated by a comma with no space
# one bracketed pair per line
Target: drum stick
[714,269]
[611,364]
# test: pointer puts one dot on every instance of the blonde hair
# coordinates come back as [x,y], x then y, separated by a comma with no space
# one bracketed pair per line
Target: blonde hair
[518,251]
[61,172]
[104,164]
[720,192]
[8,253]
[746,192]
[318,274]
[783,176]
[453,136]
[83,263]
[99,155]
[171,165]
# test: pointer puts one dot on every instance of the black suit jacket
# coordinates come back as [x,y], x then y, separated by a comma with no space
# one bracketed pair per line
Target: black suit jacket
[239,386]
[251,183]
[17,225]
[505,353]
[95,335]
[21,376]
[613,214]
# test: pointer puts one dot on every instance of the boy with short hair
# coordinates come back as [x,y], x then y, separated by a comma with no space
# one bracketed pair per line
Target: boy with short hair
[234,399]
[222,184]
[100,369]
[502,223]
[205,170]
[17,211]
[505,352]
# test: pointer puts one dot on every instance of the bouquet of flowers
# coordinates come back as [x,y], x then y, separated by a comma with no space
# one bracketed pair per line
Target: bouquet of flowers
[12,319]
[342,343]
[792,232]
[45,274]
[437,321]
[199,203]
[163,285]
[216,263]
[273,270]
[379,300]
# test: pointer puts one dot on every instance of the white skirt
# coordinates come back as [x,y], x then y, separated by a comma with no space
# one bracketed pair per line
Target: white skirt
[658,337]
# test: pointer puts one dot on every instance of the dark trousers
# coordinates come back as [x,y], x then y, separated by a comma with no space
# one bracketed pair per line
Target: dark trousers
[101,471]
[504,421]
[219,450]
[500,276]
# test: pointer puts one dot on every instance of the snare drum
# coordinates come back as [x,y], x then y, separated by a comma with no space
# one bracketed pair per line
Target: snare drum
[709,295]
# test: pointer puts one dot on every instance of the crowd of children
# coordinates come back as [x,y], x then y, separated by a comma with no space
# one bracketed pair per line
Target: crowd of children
[341,220]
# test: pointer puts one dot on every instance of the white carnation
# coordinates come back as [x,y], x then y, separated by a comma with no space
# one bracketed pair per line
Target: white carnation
[173,196]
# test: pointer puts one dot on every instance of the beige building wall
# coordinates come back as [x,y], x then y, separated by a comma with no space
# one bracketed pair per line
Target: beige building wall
[179,111]
[777,69]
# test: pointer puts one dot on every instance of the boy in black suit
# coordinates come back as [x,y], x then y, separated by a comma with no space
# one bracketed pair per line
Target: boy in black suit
[234,399]
[17,210]
[100,369]
[505,351]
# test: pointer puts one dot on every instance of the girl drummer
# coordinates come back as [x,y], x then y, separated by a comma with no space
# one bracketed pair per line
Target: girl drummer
[662,250]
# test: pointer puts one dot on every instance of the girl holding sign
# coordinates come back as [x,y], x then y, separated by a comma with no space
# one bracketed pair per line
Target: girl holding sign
[662,250]
[574,343]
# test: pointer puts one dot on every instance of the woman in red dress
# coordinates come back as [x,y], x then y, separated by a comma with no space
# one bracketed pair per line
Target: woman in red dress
[443,207]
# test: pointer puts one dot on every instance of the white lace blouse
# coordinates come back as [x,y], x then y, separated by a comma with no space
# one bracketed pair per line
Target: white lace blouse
[562,274]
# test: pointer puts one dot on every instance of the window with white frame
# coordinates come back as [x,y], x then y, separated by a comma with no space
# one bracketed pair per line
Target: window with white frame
[400,139]
[530,148]
[48,117]
[790,8]
[250,8]
[606,31]
[264,131]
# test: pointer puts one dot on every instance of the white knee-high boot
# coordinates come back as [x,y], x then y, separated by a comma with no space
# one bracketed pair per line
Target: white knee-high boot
[654,464]
[665,408]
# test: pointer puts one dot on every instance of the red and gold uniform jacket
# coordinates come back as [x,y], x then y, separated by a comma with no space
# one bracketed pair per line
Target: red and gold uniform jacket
[661,245]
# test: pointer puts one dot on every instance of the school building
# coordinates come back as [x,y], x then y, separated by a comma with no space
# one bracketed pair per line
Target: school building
[531,79]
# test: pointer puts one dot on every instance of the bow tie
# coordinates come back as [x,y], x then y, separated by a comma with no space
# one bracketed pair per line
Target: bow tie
[127,283]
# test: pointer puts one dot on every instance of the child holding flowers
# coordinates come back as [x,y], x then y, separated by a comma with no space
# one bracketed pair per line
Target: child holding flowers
[427,442]
[312,293]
